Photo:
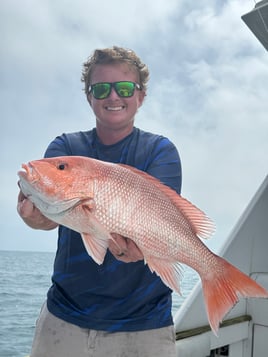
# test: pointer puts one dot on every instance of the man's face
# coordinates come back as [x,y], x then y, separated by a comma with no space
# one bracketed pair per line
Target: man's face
[115,112]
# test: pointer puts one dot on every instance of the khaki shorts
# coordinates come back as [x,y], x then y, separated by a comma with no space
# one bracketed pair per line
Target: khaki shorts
[57,338]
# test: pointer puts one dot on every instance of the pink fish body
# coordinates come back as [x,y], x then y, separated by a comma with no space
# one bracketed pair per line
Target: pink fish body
[96,198]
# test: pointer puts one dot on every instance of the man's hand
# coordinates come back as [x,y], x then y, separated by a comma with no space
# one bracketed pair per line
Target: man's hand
[31,215]
[128,251]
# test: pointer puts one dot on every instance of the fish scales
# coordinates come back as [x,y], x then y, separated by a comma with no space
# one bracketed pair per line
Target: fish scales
[120,207]
[96,199]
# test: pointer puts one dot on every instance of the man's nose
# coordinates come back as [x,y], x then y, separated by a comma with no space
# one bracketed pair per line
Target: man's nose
[113,94]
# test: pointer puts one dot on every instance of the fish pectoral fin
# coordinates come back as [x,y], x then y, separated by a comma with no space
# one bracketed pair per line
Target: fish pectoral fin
[94,235]
[89,205]
[95,246]
[169,272]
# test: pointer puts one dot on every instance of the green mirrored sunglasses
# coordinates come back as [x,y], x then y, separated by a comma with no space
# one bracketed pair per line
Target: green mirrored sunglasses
[124,89]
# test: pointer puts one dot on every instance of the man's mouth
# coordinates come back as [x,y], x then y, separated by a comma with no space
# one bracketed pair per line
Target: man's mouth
[115,109]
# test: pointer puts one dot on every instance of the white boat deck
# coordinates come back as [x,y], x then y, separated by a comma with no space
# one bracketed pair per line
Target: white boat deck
[247,249]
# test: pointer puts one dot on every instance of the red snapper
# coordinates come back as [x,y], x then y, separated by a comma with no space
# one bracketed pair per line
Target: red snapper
[96,198]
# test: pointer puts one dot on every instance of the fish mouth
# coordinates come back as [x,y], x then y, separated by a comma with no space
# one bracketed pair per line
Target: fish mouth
[28,173]
[27,169]
[27,177]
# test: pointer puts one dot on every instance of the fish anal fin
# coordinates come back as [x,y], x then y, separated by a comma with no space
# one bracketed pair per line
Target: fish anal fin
[224,288]
[169,272]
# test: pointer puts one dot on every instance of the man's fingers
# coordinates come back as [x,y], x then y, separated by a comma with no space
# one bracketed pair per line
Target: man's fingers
[124,249]
[25,208]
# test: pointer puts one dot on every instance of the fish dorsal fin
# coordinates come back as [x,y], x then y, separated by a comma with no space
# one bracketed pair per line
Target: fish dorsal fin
[201,224]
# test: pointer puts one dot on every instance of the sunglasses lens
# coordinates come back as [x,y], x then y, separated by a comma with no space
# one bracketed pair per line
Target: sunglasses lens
[124,89]
[101,90]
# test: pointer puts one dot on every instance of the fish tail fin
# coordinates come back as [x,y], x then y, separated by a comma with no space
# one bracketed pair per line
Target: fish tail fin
[223,290]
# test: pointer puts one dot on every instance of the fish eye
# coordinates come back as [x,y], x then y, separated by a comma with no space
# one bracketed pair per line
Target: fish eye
[62,166]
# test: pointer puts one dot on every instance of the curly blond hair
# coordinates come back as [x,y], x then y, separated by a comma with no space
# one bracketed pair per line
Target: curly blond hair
[114,55]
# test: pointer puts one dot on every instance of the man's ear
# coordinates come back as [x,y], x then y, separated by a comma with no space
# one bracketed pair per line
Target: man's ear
[89,99]
[142,95]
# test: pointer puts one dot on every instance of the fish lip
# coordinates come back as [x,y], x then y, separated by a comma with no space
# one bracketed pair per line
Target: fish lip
[27,168]
[28,173]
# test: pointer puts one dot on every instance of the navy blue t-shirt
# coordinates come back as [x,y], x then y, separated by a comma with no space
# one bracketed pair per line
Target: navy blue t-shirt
[114,296]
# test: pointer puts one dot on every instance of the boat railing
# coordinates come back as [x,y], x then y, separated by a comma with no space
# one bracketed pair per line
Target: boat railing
[201,342]
[202,329]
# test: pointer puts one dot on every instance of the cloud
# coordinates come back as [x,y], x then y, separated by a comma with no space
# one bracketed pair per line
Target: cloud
[207,93]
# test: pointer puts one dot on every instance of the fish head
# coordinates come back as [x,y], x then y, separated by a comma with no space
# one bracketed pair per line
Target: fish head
[57,184]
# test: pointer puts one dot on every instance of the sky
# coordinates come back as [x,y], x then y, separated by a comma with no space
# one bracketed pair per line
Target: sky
[207,93]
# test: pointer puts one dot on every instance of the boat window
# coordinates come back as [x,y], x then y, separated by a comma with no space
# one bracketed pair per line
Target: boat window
[218,352]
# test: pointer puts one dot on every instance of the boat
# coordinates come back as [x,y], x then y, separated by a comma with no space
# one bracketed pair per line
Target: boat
[257,22]
[244,330]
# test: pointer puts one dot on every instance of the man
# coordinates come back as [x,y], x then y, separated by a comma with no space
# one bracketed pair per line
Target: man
[119,308]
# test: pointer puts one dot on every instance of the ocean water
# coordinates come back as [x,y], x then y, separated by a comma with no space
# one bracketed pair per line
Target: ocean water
[24,281]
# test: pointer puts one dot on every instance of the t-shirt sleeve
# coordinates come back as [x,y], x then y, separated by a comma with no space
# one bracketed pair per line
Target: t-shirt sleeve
[165,164]
[58,147]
